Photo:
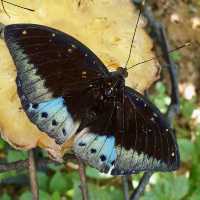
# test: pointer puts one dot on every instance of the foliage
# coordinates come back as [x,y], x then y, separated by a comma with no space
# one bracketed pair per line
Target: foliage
[176,56]
[62,182]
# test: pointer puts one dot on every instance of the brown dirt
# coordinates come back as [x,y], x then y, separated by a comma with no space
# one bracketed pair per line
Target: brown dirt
[179,31]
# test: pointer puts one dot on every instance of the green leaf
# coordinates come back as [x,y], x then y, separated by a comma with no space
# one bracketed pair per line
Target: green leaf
[160,88]
[187,108]
[153,196]
[14,155]
[186,149]
[160,103]
[55,167]
[160,99]
[70,193]
[105,193]
[5,196]
[43,180]
[25,196]
[77,193]
[98,193]
[167,100]
[2,143]
[44,195]
[60,182]
[8,174]
[28,195]
[94,173]
[168,186]
[198,133]
[180,187]
[195,195]
[176,56]
[55,196]
[180,130]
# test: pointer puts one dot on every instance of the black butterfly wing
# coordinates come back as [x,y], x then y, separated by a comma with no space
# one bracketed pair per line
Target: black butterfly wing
[148,142]
[138,140]
[54,76]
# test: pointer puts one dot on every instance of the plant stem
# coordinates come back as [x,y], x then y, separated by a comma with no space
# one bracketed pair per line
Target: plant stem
[33,176]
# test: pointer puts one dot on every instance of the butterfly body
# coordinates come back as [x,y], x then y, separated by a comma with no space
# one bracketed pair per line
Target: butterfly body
[66,91]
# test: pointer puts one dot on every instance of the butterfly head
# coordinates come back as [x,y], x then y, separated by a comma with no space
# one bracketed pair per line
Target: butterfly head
[122,71]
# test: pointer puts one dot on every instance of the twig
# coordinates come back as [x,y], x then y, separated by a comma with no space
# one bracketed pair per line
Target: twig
[23,164]
[140,189]
[33,176]
[125,187]
[83,185]
[173,108]
[18,180]
[158,34]
[18,165]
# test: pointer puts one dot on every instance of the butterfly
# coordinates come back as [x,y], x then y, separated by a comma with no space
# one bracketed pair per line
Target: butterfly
[66,91]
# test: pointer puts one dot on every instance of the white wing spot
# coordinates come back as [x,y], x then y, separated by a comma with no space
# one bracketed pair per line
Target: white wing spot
[86,54]
[173,154]
[73,46]
[152,119]
[69,50]
[84,74]
[53,34]
[155,115]
[24,32]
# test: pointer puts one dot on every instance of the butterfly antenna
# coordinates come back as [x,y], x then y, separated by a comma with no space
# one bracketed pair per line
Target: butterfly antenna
[153,58]
[134,33]
[4,9]
[2,3]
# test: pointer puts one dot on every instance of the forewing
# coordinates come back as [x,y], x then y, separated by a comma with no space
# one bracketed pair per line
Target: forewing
[54,74]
